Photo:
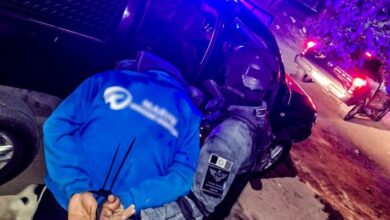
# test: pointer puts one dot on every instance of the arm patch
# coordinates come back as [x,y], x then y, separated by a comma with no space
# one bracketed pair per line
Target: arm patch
[217,175]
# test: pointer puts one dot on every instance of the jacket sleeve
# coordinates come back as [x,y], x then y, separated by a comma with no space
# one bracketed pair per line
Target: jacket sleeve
[62,142]
[177,182]
[222,141]
[232,141]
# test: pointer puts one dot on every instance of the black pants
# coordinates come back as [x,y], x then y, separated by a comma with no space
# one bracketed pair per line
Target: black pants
[49,209]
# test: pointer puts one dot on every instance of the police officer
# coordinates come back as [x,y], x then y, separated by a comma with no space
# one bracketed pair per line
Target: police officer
[242,129]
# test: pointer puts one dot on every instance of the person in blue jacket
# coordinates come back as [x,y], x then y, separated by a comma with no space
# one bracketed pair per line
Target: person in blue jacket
[132,134]
[237,116]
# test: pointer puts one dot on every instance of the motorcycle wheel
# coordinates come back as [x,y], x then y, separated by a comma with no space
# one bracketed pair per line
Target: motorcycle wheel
[382,113]
[354,110]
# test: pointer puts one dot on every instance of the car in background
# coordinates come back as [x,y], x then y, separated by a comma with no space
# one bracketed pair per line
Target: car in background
[51,46]
[353,85]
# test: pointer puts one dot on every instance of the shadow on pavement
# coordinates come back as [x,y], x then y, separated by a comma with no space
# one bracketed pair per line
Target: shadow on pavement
[383,124]
[287,169]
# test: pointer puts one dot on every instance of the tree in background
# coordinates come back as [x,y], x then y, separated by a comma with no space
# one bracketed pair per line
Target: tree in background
[347,29]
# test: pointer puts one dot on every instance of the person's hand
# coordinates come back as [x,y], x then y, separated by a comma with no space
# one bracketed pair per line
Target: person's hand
[82,206]
[110,206]
[113,210]
[119,214]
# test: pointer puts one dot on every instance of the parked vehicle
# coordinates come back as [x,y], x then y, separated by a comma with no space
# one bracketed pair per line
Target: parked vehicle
[51,46]
[354,86]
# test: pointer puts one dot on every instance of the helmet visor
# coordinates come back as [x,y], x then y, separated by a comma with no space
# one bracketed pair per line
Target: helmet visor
[251,79]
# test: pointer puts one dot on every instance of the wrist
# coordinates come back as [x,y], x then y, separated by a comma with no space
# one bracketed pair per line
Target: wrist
[76,189]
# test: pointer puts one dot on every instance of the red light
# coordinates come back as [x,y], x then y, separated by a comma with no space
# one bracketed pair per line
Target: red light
[310,44]
[368,54]
[359,82]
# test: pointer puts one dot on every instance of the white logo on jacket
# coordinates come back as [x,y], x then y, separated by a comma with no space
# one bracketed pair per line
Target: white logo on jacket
[120,98]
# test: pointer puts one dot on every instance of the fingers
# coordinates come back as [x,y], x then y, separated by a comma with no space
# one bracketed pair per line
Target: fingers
[75,210]
[106,214]
[77,217]
[127,213]
[112,198]
[111,204]
[89,205]
[110,207]
[92,212]
[120,214]
[82,206]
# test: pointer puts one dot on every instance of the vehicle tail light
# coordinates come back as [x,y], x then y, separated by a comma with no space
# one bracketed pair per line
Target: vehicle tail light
[356,84]
[359,82]
[310,44]
[368,54]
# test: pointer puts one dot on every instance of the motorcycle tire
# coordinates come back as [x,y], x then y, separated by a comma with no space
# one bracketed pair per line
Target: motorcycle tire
[382,114]
[354,110]
[19,136]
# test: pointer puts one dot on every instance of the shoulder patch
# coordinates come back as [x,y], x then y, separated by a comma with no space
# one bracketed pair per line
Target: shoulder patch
[217,175]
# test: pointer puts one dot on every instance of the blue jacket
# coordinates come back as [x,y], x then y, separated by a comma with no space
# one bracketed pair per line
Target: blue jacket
[110,109]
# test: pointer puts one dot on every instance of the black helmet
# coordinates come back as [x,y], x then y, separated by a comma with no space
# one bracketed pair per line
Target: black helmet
[252,75]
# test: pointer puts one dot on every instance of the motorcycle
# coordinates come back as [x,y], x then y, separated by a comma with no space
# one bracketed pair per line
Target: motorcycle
[375,107]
